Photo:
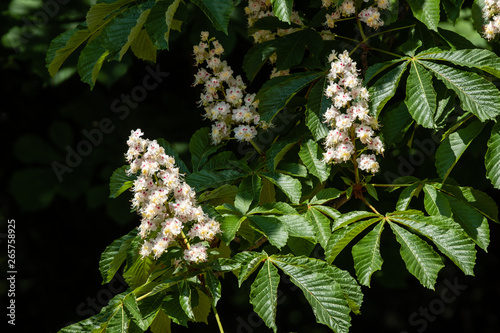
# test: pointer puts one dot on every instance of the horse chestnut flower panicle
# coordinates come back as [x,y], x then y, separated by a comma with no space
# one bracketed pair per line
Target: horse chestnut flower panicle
[224,98]
[165,202]
[349,117]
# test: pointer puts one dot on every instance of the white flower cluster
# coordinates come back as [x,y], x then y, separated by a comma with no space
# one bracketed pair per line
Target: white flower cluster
[349,116]
[258,9]
[370,16]
[165,202]
[491,12]
[224,97]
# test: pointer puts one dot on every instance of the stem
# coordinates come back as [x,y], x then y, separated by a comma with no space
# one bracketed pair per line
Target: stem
[184,240]
[391,185]
[368,204]
[221,329]
[257,148]
[386,52]
[394,29]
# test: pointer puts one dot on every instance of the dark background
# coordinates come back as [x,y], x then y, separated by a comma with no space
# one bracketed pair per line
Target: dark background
[62,227]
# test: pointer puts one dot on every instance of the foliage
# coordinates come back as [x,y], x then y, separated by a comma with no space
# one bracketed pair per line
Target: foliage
[277,200]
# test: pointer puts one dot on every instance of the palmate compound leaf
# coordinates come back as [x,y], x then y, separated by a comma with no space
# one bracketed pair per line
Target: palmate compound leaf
[444,232]
[420,258]
[366,255]
[328,290]
[263,294]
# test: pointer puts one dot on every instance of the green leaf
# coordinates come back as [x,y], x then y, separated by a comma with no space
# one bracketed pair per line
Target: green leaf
[474,58]
[138,273]
[143,47]
[476,94]
[169,150]
[274,208]
[218,11]
[289,185]
[220,161]
[421,96]
[419,257]
[351,217]
[372,191]
[317,104]
[291,47]
[473,222]
[250,261]
[451,149]
[267,193]
[326,298]
[156,25]
[204,179]
[116,318]
[272,227]
[114,256]
[161,323]
[426,11]
[63,45]
[476,199]
[406,195]
[277,151]
[341,238]
[248,193]
[321,226]
[366,255]
[222,194]
[310,154]
[277,92]
[115,34]
[298,226]
[185,298]
[130,303]
[102,13]
[91,60]
[492,158]
[263,294]
[213,285]
[172,307]
[257,56]
[385,88]
[454,243]
[230,224]
[283,10]
[326,195]
[293,169]
[120,182]
[436,202]
[378,68]
[202,310]
[201,148]
[396,122]
[452,8]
